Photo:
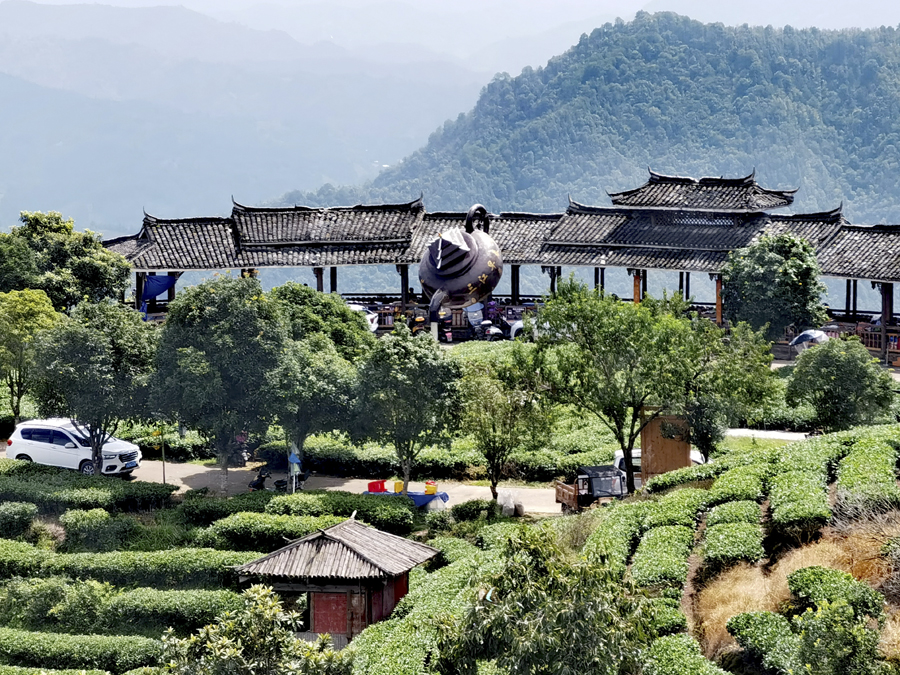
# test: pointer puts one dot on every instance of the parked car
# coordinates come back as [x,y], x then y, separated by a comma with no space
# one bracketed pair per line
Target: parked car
[370,316]
[57,442]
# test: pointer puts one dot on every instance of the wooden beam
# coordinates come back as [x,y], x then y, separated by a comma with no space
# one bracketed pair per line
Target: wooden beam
[139,278]
[514,283]
[636,276]
[404,283]
[719,299]
[333,280]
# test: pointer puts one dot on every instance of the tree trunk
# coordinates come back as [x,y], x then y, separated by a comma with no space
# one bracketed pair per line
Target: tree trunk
[494,490]
[629,469]
[407,470]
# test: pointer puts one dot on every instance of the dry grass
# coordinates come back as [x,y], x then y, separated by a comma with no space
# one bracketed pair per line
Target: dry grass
[750,589]
[889,645]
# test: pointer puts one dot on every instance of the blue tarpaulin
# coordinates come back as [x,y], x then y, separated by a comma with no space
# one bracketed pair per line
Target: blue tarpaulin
[420,499]
[154,286]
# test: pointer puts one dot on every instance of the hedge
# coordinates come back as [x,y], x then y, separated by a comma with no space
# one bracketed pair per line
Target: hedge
[261,531]
[661,557]
[96,530]
[810,586]
[678,655]
[15,518]
[201,510]
[115,653]
[54,490]
[453,549]
[729,543]
[177,448]
[474,508]
[798,501]
[742,483]
[20,670]
[733,512]
[667,616]
[688,474]
[613,540]
[390,513]
[680,507]
[183,568]
[866,476]
[145,610]
[768,638]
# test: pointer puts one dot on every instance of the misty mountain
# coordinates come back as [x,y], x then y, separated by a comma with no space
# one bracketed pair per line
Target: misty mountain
[808,109]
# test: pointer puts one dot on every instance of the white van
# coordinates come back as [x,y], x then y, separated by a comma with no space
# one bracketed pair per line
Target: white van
[57,442]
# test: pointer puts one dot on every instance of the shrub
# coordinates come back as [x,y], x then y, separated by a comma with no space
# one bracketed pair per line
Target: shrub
[150,611]
[438,521]
[733,512]
[390,513]
[613,540]
[768,638]
[812,586]
[729,543]
[678,655]
[474,509]
[680,507]
[799,504]
[20,670]
[116,654]
[742,483]
[261,531]
[834,641]
[201,510]
[497,535]
[15,518]
[661,557]
[866,476]
[185,567]
[667,616]
[177,448]
[688,474]
[453,549]
[95,530]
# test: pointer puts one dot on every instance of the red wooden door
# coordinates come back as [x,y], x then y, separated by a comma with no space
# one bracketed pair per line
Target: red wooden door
[330,613]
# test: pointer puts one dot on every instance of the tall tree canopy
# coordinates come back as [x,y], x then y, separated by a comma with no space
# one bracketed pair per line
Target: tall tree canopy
[68,266]
[95,368]
[613,359]
[23,314]
[219,346]
[774,281]
[407,395]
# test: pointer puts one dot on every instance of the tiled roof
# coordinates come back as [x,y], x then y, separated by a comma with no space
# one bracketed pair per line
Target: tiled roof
[863,252]
[187,244]
[719,194]
[347,551]
[816,228]
[681,260]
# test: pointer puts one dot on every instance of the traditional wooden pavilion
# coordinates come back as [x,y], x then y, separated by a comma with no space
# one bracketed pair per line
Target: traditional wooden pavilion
[670,223]
[353,575]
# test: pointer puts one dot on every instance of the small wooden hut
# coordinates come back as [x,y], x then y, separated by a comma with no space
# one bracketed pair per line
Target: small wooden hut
[353,575]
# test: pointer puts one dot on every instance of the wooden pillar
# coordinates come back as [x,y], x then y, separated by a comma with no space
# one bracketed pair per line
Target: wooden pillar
[333,280]
[151,303]
[596,278]
[643,283]
[514,283]
[687,285]
[855,290]
[171,294]
[847,298]
[681,284]
[719,299]
[636,276]
[602,278]
[138,288]
[552,280]
[320,283]
[404,283]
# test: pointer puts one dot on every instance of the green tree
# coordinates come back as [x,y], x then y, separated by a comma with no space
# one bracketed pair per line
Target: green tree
[309,312]
[70,265]
[776,282]
[95,368]
[502,407]
[546,614]
[313,386]
[23,314]
[407,394]
[256,640]
[843,382]
[615,359]
[219,346]
[18,264]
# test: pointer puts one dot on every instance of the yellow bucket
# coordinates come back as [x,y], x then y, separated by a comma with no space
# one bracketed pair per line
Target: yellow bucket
[430,488]
[398,486]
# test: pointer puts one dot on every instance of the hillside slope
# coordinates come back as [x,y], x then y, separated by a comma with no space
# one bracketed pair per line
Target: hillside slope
[809,108]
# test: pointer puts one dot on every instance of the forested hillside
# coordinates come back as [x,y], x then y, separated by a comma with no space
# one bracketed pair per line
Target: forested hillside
[814,109]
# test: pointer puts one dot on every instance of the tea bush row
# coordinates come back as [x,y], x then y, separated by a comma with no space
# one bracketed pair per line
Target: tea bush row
[96,530]
[55,490]
[661,556]
[811,586]
[21,670]
[389,513]
[768,638]
[798,501]
[743,483]
[261,531]
[59,604]
[613,539]
[733,512]
[714,468]
[678,655]
[679,507]
[730,543]
[200,510]
[667,616]
[116,654]
[15,518]
[182,568]
[866,476]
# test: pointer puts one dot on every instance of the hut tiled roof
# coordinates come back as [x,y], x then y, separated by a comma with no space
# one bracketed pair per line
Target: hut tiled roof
[718,194]
[349,550]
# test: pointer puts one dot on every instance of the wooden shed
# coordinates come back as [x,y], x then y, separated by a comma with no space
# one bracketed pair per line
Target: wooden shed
[353,575]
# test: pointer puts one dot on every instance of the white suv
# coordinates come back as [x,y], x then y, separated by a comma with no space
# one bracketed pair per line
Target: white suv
[57,442]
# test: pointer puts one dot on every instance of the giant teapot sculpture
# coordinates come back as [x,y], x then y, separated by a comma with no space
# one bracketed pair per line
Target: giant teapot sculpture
[462,266]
